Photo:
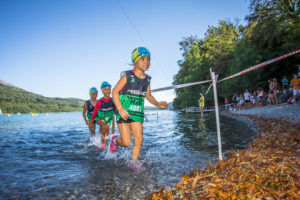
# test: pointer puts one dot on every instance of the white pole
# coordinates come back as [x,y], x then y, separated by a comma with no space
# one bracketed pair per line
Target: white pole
[213,77]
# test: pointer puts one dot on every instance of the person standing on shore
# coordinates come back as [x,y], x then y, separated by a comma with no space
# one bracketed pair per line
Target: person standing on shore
[284,82]
[241,101]
[295,82]
[252,100]
[234,101]
[276,89]
[227,105]
[201,105]
[260,98]
[271,92]
[247,99]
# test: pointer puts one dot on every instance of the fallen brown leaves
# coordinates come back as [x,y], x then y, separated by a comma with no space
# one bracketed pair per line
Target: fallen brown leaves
[268,169]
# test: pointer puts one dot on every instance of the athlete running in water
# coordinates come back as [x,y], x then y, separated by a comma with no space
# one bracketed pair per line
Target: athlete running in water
[129,95]
[105,109]
[88,109]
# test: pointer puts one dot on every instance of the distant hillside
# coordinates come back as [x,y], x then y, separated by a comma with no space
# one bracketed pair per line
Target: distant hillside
[6,83]
[16,100]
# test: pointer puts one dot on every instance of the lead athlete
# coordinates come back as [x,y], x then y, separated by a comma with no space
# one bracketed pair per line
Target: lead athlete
[129,95]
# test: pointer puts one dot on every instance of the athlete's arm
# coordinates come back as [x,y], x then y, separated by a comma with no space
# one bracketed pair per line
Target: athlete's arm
[151,99]
[116,97]
[84,113]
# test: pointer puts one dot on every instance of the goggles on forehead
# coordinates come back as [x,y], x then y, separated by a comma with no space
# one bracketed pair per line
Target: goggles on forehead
[138,53]
[93,91]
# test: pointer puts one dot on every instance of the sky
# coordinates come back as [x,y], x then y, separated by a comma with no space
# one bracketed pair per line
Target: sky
[62,48]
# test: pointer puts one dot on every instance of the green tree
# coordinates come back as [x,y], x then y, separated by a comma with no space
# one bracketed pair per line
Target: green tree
[273,29]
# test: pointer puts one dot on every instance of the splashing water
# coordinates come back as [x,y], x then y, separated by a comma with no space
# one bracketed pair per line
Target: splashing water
[54,156]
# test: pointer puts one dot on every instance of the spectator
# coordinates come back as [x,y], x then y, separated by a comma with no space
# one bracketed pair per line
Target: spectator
[234,101]
[261,96]
[295,82]
[291,89]
[276,89]
[284,82]
[241,101]
[252,100]
[247,99]
[255,94]
[227,105]
[271,92]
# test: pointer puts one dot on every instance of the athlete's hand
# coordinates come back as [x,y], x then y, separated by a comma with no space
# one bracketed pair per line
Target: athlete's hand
[162,104]
[87,123]
[123,113]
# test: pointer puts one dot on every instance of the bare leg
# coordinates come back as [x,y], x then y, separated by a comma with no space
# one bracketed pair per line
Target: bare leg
[137,132]
[125,139]
[276,99]
[104,132]
[93,130]
[201,110]
[270,99]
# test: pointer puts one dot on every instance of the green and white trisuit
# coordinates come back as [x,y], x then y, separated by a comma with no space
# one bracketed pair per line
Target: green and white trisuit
[132,97]
[90,110]
[106,111]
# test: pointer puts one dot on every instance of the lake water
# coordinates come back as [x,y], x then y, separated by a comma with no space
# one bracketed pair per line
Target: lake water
[53,157]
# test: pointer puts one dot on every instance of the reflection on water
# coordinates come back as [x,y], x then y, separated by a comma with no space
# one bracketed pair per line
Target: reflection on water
[52,156]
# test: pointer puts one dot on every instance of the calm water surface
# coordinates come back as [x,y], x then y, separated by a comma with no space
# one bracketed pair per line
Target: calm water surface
[53,157]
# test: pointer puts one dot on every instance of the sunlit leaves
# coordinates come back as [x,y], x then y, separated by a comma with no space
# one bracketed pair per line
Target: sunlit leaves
[268,169]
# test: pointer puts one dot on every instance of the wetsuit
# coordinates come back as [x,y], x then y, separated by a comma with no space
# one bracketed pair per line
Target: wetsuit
[90,110]
[104,109]
[132,97]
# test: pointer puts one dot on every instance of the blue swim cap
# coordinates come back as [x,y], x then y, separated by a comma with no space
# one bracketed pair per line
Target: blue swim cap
[93,90]
[105,84]
[139,52]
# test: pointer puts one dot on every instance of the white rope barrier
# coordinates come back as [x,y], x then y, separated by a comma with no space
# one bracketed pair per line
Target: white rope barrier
[180,86]
[229,77]
[214,84]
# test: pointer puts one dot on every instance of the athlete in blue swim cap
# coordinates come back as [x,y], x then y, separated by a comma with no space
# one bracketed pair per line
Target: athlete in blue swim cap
[105,109]
[138,53]
[129,95]
[104,85]
[88,109]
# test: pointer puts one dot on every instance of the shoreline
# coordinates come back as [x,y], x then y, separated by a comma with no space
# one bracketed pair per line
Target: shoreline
[268,168]
[289,112]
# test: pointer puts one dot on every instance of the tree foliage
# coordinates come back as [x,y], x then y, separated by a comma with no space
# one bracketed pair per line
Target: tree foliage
[273,29]
[16,100]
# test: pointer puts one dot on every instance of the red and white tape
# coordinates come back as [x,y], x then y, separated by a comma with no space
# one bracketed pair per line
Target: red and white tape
[260,65]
